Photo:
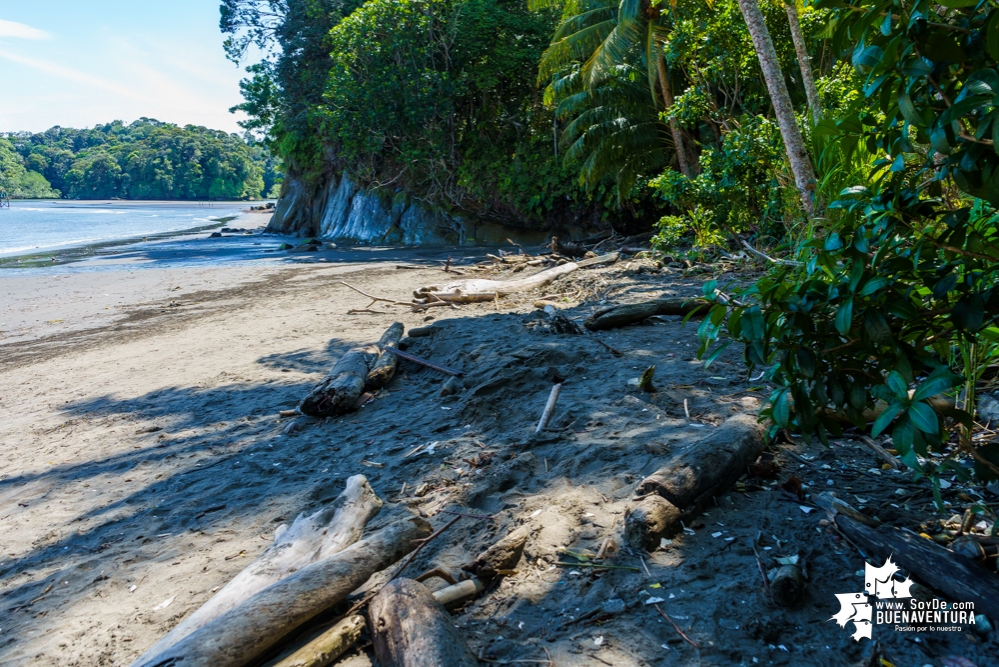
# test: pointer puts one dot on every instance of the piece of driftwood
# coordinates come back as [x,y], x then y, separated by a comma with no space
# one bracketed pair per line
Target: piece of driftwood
[471,291]
[424,362]
[327,647]
[703,471]
[787,585]
[549,408]
[651,520]
[500,557]
[247,632]
[957,577]
[458,592]
[409,628]
[881,452]
[384,366]
[600,260]
[620,316]
[339,391]
[309,539]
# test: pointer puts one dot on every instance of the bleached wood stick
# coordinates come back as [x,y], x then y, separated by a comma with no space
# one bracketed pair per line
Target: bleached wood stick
[327,647]
[246,633]
[549,407]
[309,539]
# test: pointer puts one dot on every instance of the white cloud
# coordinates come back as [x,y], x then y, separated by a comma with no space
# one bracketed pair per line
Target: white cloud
[21,31]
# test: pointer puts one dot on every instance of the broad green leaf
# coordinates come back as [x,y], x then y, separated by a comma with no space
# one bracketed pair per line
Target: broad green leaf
[885,418]
[872,286]
[782,408]
[877,328]
[924,418]
[936,383]
[897,384]
[844,316]
[992,35]
[908,110]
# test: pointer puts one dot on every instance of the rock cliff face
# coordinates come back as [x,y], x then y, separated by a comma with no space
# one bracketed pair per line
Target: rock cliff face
[342,211]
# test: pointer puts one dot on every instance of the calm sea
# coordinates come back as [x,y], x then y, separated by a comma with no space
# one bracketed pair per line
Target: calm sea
[36,226]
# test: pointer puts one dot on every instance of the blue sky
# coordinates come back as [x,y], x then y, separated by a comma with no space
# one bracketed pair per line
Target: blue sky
[77,63]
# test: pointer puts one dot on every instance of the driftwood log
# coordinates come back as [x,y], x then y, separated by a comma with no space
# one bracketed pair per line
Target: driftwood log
[246,633]
[409,628]
[479,289]
[308,539]
[621,316]
[651,520]
[958,577]
[690,480]
[327,647]
[340,390]
[383,368]
[501,557]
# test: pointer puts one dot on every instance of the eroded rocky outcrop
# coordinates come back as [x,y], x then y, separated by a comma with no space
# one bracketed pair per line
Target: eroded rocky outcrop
[340,210]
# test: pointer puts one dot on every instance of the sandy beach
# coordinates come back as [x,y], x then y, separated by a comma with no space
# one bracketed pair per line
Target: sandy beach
[144,462]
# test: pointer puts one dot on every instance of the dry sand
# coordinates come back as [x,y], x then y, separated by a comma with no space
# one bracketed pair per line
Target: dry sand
[144,465]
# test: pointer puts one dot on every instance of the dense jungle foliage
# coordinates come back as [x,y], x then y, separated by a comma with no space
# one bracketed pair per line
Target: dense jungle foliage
[146,159]
[854,141]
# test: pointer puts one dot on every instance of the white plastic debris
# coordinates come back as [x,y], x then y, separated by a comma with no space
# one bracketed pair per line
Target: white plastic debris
[654,600]
[131,589]
[164,604]
[806,510]
[599,641]
[718,534]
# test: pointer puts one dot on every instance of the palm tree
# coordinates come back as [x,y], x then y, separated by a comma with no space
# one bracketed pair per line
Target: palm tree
[602,35]
[612,129]
[794,145]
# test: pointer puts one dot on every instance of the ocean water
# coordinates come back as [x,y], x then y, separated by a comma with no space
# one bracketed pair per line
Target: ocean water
[29,227]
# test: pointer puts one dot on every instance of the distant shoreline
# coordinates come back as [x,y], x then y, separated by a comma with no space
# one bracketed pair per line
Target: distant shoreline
[76,253]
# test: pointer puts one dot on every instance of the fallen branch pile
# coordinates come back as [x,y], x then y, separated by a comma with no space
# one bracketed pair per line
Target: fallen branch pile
[313,566]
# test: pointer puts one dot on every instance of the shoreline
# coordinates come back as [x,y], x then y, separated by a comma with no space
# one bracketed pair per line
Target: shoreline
[73,252]
[76,250]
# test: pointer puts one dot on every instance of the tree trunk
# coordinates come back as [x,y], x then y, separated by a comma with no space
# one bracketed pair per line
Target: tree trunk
[409,628]
[797,156]
[678,141]
[342,387]
[689,481]
[309,539]
[631,313]
[245,634]
[804,62]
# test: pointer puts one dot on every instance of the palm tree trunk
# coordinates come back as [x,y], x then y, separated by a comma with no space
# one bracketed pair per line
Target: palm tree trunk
[797,156]
[804,62]
[678,142]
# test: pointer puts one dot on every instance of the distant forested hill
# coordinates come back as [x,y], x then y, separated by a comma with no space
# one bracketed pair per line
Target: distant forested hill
[146,159]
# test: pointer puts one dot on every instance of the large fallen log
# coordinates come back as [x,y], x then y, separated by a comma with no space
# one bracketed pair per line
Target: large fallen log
[692,479]
[480,289]
[246,633]
[956,576]
[621,316]
[309,539]
[339,391]
[409,628]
